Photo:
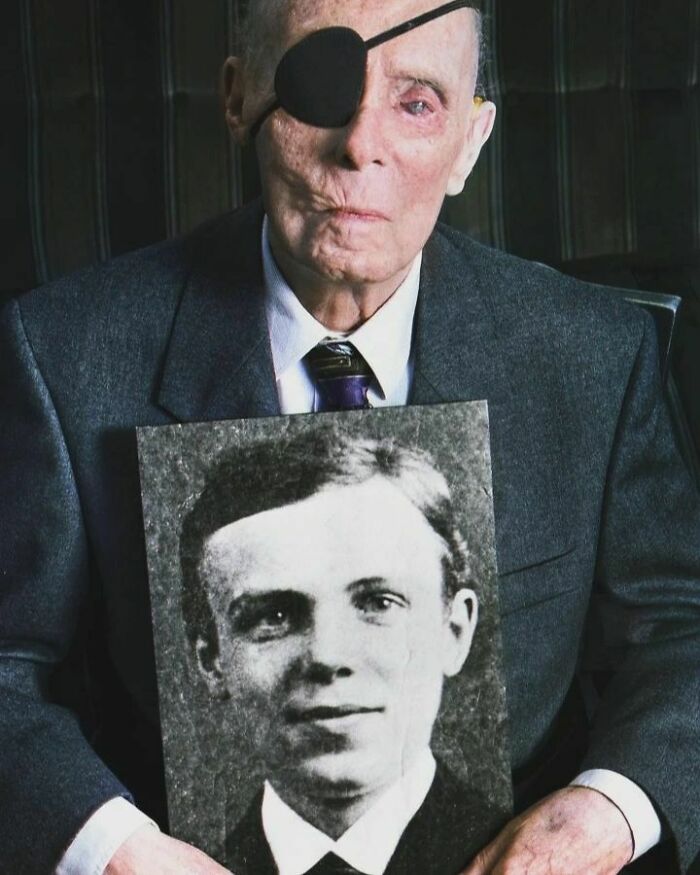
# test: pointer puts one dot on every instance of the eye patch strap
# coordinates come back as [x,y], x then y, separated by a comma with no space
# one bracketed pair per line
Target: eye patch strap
[407,26]
[332,61]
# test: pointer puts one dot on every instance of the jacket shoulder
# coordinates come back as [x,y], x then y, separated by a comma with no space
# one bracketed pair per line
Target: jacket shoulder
[527,297]
[152,268]
[133,294]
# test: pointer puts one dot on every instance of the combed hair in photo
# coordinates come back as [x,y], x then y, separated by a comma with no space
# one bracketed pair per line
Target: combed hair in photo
[273,473]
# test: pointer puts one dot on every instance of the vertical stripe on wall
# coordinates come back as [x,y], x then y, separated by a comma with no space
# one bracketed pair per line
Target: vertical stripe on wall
[15,217]
[172,218]
[598,192]
[100,168]
[660,60]
[494,155]
[530,185]
[33,130]
[201,145]
[597,197]
[563,136]
[233,165]
[135,177]
[661,48]
[627,102]
[664,198]
[694,103]
[530,158]
[694,45]
[69,143]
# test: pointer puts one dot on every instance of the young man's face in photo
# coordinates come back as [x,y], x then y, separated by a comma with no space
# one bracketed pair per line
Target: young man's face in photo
[335,634]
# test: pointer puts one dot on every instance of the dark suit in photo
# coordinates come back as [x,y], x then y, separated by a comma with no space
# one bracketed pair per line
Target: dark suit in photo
[441,838]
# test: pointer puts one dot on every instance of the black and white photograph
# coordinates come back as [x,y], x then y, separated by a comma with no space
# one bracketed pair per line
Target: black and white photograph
[327,638]
[223,219]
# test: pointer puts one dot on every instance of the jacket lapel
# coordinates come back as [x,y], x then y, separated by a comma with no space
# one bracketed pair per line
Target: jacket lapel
[457,349]
[470,344]
[454,822]
[219,363]
[247,850]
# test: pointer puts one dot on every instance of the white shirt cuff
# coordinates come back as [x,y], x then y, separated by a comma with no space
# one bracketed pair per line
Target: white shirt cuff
[101,837]
[632,801]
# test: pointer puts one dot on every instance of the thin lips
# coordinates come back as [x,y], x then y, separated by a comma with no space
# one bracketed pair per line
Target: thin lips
[359,211]
[326,712]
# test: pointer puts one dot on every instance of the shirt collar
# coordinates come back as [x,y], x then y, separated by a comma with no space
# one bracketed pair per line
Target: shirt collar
[368,844]
[384,340]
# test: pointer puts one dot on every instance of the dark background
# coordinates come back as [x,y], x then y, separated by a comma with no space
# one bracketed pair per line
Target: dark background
[113,138]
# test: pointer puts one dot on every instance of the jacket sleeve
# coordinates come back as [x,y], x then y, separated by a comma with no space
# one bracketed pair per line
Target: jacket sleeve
[50,778]
[647,608]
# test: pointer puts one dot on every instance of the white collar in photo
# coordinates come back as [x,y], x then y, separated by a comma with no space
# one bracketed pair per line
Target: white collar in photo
[368,844]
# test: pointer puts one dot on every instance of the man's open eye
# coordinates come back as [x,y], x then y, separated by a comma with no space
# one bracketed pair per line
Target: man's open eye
[379,605]
[264,621]
[417,107]
[264,624]
[273,618]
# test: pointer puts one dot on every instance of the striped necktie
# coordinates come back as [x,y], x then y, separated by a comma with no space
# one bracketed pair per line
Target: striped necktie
[341,375]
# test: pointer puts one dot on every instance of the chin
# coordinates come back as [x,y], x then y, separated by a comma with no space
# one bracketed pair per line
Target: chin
[361,253]
[343,775]
[354,266]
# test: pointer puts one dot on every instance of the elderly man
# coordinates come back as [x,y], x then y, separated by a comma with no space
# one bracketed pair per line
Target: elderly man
[597,525]
[325,609]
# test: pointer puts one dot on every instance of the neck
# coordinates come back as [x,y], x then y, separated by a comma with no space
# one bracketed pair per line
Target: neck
[333,815]
[337,304]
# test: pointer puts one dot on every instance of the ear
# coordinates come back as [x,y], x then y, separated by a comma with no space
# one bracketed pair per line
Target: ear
[210,669]
[233,96]
[479,126]
[462,620]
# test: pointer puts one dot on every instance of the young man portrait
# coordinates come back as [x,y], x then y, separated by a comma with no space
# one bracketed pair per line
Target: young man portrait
[327,598]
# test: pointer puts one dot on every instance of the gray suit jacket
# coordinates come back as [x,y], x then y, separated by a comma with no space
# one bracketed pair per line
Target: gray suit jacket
[597,524]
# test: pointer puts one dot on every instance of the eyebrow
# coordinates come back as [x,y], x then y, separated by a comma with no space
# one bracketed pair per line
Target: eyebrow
[366,583]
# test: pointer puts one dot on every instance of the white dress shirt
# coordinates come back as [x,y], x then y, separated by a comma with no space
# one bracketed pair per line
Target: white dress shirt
[385,341]
[368,844]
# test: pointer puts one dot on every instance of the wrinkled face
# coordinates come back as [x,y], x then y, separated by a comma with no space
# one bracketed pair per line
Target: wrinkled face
[335,635]
[356,204]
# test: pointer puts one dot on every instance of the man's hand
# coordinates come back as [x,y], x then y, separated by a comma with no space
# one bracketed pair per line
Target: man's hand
[149,852]
[575,831]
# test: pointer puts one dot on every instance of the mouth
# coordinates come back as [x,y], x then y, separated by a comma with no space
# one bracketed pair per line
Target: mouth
[327,713]
[358,214]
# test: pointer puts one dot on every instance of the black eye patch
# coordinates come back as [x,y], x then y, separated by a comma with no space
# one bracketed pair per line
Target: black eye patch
[321,79]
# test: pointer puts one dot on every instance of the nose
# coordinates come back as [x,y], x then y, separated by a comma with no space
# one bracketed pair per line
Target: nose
[329,651]
[363,140]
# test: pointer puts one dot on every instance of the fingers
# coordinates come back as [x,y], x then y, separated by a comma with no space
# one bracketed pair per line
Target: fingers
[484,861]
[149,852]
[576,831]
